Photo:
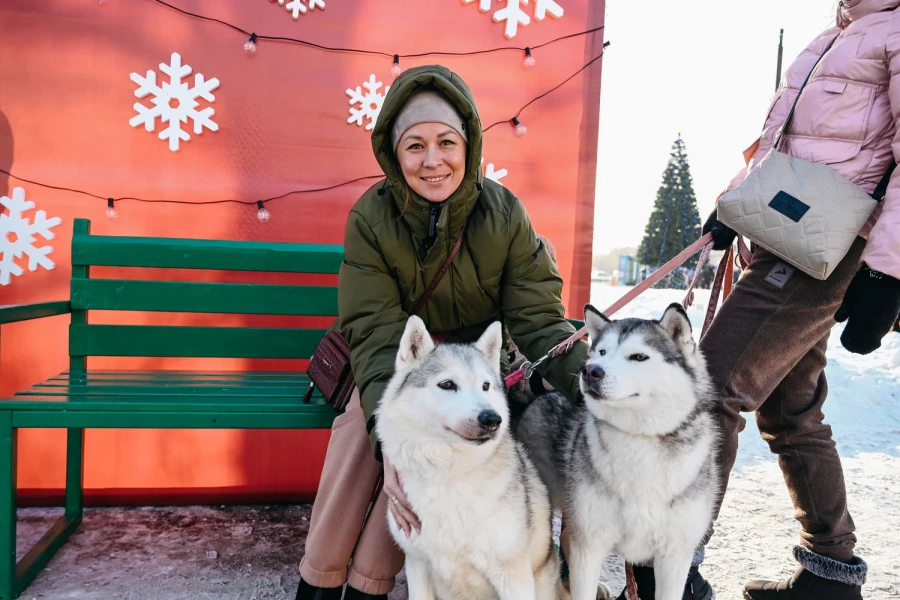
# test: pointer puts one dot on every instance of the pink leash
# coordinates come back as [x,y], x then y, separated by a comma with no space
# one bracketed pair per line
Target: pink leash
[704,243]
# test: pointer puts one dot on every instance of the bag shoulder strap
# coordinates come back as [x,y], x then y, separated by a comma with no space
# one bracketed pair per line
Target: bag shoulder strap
[881,188]
[790,117]
[440,274]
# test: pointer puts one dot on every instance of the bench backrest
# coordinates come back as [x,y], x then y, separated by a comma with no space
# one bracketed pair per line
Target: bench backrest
[196,297]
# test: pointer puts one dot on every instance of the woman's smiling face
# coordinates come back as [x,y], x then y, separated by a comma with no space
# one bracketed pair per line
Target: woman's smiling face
[432,157]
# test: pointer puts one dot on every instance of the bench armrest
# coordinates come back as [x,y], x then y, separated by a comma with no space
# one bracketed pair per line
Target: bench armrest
[13,313]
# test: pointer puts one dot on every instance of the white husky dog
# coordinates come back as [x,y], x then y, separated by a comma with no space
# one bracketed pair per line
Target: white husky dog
[634,467]
[485,513]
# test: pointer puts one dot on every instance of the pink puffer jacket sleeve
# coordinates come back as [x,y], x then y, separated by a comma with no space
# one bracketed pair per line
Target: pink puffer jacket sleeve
[882,251]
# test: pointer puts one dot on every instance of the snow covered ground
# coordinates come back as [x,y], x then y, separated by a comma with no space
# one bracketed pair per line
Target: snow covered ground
[247,553]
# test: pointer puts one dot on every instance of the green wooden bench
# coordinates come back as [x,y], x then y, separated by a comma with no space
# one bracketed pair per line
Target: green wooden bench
[80,398]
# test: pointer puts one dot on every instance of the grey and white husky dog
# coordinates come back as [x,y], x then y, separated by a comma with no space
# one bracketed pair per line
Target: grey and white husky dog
[443,422]
[633,467]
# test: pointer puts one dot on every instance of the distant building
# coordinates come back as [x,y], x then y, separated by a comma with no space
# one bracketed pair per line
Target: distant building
[629,270]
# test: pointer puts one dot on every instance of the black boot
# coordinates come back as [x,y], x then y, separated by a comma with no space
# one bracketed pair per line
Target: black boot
[308,592]
[353,594]
[818,578]
[695,588]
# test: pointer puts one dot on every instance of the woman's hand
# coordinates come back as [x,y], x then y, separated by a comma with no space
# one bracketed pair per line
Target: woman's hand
[397,501]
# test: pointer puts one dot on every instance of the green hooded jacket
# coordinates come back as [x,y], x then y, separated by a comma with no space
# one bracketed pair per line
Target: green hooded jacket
[502,271]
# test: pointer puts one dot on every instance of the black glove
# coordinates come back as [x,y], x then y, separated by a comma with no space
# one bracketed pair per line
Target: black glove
[723,235]
[870,307]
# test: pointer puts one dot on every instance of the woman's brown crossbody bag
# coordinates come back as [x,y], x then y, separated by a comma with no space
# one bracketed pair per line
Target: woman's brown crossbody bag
[329,367]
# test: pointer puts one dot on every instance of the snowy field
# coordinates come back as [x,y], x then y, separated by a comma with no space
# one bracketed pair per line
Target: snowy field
[251,553]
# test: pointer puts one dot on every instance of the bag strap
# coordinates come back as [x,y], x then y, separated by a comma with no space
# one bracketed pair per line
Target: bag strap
[881,188]
[790,117]
[440,274]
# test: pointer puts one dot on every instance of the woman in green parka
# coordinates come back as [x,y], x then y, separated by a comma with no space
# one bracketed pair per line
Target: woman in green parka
[427,140]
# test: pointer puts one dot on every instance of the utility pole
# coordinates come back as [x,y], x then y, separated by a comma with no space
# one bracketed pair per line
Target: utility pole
[780,53]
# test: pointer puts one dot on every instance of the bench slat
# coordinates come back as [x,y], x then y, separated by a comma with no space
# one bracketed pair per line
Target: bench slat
[161,389]
[312,417]
[149,379]
[188,341]
[185,403]
[176,373]
[176,296]
[228,255]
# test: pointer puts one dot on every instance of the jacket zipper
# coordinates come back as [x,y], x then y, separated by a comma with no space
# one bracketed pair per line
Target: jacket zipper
[435,212]
[452,280]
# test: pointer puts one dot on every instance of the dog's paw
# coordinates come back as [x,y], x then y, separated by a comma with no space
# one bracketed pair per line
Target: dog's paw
[604,592]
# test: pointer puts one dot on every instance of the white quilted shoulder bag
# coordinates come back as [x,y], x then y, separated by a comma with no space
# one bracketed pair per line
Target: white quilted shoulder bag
[806,213]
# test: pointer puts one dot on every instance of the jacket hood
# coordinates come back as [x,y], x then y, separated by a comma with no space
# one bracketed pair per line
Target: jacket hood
[460,204]
[853,10]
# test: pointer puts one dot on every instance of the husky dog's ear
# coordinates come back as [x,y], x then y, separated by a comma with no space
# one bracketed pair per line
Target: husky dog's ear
[676,323]
[491,343]
[415,344]
[595,321]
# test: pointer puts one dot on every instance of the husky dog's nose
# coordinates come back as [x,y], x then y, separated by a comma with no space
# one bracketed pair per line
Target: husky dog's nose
[489,419]
[593,373]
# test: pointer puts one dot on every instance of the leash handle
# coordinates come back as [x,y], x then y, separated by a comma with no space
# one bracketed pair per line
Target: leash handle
[689,297]
[705,243]
[724,275]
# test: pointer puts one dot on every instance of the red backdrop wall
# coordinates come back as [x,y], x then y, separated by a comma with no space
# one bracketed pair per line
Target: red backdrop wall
[66,99]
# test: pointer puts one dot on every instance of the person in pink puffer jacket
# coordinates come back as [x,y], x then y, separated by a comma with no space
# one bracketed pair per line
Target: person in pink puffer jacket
[766,347]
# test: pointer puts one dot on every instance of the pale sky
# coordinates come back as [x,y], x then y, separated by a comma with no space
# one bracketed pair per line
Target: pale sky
[704,68]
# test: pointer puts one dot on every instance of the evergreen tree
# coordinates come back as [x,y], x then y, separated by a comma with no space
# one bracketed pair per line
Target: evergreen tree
[675,221]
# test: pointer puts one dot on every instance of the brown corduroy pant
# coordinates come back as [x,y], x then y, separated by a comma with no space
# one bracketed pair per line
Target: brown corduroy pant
[766,353]
[342,545]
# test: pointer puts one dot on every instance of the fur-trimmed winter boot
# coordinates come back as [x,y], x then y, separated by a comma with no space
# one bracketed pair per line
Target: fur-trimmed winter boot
[818,578]
[695,588]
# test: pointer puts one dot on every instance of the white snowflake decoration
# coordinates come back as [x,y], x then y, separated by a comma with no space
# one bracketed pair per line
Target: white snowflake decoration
[174,102]
[17,236]
[369,102]
[543,7]
[297,8]
[514,16]
[483,5]
[514,13]
[494,174]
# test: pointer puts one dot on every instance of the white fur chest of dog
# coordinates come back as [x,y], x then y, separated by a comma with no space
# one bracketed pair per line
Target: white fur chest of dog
[473,524]
[485,513]
[634,467]
[651,505]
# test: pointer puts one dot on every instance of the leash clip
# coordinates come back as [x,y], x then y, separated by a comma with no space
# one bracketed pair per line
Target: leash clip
[527,369]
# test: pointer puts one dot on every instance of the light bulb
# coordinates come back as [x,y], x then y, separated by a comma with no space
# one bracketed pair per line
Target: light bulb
[395,68]
[529,59]
[111,212]
[262,214]
[250,45]
[520,128]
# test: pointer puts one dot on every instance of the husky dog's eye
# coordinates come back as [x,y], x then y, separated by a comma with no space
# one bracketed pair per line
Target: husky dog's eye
[638,357]
[603,353]
[486,386]
[448,385]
